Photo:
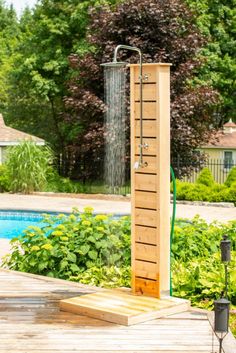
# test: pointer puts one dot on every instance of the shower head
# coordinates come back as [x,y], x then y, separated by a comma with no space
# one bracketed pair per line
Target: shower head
[114,64]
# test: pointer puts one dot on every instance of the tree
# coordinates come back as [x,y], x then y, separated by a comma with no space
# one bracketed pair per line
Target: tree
[9,32]
[41,68]
[164,31]
[217,20]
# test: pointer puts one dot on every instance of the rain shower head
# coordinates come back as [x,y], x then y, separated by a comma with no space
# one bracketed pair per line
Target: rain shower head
[115,64]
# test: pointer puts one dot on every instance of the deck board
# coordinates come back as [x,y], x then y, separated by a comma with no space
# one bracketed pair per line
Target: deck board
[30,322]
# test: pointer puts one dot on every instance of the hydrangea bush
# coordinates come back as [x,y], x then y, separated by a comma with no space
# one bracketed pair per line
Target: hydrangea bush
[68,245]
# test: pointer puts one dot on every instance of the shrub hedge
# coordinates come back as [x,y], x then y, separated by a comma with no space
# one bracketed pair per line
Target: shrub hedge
[95,249]
[206,189]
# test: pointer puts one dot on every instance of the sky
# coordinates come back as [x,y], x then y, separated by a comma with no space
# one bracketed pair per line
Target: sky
[19,5]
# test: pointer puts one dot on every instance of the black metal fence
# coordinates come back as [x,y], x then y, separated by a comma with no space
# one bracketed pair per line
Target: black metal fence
[187,171]
[184,170]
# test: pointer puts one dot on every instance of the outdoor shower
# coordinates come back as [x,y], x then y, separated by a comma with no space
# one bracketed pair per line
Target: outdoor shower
[115,66]
[150,192]
[150,161]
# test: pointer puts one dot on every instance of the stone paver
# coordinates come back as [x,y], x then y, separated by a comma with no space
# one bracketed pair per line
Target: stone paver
[65,204]
[60,204]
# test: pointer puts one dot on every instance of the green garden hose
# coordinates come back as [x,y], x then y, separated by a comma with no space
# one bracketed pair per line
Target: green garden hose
[172,222]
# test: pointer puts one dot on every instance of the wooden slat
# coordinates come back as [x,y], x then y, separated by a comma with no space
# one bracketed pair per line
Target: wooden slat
[34,329]
[145,217]
[149,92]
[145,182]
[150,150]
[150,167]
[149,110]
[146,235]
[146,270]
[145,199]
[146,252]
[151,211]
[147,287]
[149,128]
[149,72]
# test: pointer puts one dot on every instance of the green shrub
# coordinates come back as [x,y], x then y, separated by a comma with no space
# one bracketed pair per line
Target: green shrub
[231,194]
[109,277]
[197,193]
[4,178]
[192,192]
[96,250]
[183,189]
[201,192]
[56,183]
[198,273]
[202,279]
[28,165]
[69,245]
[231,178]
[205,177]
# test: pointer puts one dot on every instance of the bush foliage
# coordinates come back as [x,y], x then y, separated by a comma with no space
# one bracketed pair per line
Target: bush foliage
[206,189]
[231,177]
[205,178]
[198,273]
[57,183]
[4,179]
[95,249]
[171,35]
[28,166]
[69,245]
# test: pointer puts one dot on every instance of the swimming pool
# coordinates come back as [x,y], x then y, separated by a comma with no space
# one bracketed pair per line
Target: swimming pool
[12,223]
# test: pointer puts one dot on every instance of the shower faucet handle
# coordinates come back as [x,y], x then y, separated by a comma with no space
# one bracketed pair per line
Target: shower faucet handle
[145,145]
[138,165]
[144,77]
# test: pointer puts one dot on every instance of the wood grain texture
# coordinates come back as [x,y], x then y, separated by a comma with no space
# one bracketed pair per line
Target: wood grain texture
[149,128]
[149,92]
[150,150]
[149,110]
[150,183]
[145,217]
[144,199]
[145,235]
[143,182]
[150,167]
[30,326]
[146,252]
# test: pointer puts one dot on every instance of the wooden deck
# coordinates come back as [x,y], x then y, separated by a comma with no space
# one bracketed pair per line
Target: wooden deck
[30,321]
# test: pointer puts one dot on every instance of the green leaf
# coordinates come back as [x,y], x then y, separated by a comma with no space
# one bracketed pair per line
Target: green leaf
[71,257]
[42,265]
[84,249]
[74,268]
[63,264]
[91,239]
[93,254]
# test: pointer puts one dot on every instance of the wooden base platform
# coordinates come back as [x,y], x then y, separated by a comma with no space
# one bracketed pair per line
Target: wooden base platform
[30,322]
[122,308]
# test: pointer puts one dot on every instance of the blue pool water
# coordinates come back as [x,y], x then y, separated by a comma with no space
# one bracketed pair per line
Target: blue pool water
[12,223]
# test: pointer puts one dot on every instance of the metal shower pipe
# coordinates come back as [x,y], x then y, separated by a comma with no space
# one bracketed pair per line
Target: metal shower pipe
[114,63]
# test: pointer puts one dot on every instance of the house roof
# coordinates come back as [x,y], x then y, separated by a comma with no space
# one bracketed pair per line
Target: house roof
[223,140]
[230,124]
[10,136]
